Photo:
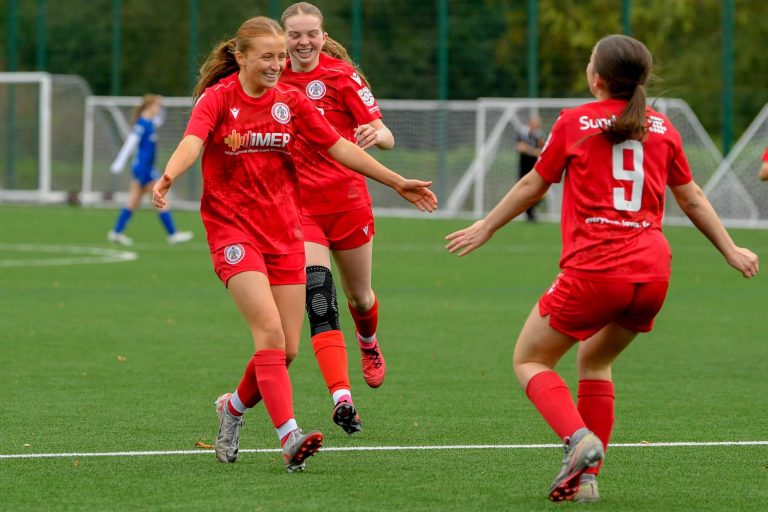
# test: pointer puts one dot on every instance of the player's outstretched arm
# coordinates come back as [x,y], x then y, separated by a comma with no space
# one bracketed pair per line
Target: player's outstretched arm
[526,192]
[352,156]
[182,159]
[697,207]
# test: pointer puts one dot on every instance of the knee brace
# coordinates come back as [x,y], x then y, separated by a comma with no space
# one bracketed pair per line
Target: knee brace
[322,308]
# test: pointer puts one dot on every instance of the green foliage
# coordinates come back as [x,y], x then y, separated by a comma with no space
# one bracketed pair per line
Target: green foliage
[487,48]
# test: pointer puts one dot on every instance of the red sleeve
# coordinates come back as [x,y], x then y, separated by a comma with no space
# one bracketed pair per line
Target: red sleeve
[552,160]
[205,115]
[358,99]
[765,155]
[679,171]
[313,125]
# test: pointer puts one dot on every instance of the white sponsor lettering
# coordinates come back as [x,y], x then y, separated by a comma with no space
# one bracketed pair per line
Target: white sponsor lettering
[614,222]
[587,123]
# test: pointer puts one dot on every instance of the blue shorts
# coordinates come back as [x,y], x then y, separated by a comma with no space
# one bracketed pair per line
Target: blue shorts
[145,175]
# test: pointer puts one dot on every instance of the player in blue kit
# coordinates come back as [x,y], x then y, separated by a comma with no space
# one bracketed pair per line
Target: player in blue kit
[147,117]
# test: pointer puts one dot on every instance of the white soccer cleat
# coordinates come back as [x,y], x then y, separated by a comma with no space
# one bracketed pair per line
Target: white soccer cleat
[119,238]
[180,237]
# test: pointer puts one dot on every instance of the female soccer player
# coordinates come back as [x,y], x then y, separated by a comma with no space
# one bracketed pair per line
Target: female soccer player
[246,125]
[147,117]
[336,206]
[617,155]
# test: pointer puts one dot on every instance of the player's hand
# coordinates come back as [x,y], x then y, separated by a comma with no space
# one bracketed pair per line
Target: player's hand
[743,260]
[468,239]
[160,190]
[366,136]
[418,193]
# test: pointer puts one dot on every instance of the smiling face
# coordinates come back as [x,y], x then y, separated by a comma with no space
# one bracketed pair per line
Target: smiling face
[305,41]
[261,64]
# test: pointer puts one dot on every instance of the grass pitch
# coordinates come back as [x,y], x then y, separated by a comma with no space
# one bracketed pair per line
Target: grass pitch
[102,357]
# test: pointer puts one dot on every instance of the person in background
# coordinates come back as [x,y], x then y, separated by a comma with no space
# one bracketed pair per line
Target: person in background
[529,144]
[246,126]
[336,207]
[763,173]
[147,117]
[617,155]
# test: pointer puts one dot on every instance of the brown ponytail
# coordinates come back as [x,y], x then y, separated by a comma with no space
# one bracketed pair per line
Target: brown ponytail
[334,49]
[624,63]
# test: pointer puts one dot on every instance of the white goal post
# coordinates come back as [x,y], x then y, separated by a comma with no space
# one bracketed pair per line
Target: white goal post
[15,110]
[467,148]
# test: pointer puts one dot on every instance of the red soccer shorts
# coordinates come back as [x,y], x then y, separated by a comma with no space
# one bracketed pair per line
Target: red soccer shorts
[340,231]
[242,257]
[579,307]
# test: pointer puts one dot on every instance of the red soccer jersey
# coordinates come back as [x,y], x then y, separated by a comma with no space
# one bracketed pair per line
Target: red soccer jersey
[765,155]
[339,93]
[249,180]
[613,194]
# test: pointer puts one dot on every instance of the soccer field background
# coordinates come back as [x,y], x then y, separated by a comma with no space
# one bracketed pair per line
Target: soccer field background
[110,369]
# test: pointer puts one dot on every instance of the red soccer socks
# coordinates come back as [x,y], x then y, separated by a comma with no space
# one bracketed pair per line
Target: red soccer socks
[331,354]
[274,384]
[596,405]
[552,398]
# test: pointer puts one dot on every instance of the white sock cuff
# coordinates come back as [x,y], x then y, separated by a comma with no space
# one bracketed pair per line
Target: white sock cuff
[286,428]
[366,339]
[340,393]
[237,404]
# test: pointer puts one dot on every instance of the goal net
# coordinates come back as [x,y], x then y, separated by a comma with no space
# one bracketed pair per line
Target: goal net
[467,148]
[41,135]
[494,167]
[106,126]
[734,189]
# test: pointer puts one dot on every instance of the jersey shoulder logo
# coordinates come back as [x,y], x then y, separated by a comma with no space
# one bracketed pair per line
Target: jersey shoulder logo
[281,113]
[367,97]
[234,253]
[235,111]
[356,78]
[315,89]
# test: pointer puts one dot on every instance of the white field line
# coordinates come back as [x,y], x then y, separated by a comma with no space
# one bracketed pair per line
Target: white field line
[378,449]
[77,255]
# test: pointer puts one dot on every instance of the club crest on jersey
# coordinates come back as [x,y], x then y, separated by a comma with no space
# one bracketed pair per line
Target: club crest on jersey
[281,113]
[315,89]
[234,253]
[235,112]
[367,96]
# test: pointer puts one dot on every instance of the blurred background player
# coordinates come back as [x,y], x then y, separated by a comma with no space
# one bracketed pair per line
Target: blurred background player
[529,144]
[245,124]
[146,118]
[763,173]
[615,259]
[336,207]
